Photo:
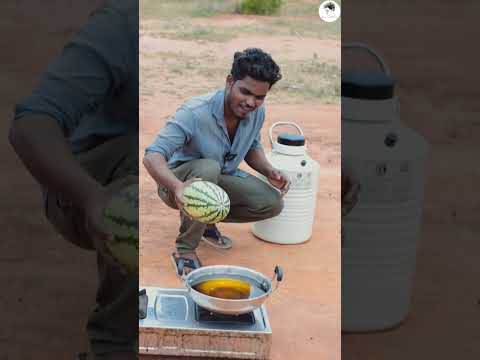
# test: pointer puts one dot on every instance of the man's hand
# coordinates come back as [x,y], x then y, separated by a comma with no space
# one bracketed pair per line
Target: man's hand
[178,193]
[94,208]
[257,160]
[157,167]
[279,180]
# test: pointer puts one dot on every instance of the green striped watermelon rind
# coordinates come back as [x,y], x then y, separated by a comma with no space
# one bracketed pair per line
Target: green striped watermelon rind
[121,217]
[206,202]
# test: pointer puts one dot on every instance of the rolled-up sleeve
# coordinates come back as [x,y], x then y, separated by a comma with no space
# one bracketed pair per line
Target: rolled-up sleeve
[177,132]
[91,67]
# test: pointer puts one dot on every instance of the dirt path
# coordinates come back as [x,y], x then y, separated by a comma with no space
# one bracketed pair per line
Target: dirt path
[314,312]
[282,47]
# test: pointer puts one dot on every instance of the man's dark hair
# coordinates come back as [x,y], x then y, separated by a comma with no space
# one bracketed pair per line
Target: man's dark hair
[257,64]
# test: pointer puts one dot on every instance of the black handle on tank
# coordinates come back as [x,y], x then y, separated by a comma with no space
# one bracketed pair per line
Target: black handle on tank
[391,139]
[278,275]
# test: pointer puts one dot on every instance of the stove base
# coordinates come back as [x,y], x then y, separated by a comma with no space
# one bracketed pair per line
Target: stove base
[208,343]
[172,328]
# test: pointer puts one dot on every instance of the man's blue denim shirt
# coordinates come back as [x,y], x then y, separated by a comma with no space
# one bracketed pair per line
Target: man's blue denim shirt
[198,131]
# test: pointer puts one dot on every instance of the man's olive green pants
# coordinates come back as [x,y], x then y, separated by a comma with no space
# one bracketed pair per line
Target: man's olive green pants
[113,325]
[251,199]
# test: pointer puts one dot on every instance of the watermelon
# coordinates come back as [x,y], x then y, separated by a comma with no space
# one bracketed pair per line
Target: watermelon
[121,218]
[206,202]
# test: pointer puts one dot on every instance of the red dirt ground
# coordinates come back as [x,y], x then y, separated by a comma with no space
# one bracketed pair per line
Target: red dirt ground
[305,312]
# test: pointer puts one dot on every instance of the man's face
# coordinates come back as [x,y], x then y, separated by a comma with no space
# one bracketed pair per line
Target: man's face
[246,95]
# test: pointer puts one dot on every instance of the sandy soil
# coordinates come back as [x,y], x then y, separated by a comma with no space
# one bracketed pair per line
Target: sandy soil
[305,313]
[287,47]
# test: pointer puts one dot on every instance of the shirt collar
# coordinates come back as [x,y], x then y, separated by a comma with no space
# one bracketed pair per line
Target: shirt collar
[218,107]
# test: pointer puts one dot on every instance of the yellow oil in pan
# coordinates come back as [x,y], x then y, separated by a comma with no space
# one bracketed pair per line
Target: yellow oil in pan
[225,288]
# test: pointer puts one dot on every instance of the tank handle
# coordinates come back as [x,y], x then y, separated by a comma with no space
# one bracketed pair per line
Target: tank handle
[287,123]
[278,275]
[359,45]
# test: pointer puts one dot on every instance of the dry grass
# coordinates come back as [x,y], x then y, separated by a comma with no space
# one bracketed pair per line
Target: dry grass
[309,79]
[170,9]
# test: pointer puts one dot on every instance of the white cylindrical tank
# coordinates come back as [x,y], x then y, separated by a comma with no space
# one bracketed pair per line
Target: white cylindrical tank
[379,241]
[294,224]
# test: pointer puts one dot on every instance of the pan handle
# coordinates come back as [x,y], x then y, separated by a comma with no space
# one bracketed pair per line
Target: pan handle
[278,274]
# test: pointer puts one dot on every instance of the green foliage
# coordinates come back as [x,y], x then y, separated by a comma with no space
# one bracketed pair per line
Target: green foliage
[259,7]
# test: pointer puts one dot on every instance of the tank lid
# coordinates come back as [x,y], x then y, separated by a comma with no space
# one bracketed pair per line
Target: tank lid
[291,139]
[367,85]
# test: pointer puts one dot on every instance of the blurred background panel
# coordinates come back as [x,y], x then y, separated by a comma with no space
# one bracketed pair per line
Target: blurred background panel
[434,64]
